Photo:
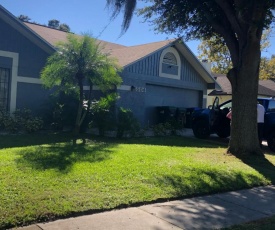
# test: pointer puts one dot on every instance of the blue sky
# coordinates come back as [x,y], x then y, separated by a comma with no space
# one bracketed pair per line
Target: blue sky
[91,16]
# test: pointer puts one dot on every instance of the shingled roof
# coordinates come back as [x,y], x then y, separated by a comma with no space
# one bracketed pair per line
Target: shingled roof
[131,54]
[266,87]
[53,36]
[124,54]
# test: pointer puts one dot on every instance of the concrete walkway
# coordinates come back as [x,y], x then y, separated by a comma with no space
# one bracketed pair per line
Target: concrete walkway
[206,212]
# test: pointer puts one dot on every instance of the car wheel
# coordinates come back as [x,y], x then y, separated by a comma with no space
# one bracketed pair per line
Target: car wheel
[201,130]
[271,141]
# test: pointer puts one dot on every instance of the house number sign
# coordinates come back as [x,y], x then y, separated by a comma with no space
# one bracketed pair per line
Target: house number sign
[140,89]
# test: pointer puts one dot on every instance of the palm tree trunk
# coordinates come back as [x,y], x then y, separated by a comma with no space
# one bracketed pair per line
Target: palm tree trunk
[79,111]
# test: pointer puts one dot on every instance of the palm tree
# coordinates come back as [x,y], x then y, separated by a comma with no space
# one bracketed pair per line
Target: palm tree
[77,62]
[128,8]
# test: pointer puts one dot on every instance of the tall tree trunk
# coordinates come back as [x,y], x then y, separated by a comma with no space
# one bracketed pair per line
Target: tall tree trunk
[85,112]
[244,134]
[81,113]
[79,110]
[77,122]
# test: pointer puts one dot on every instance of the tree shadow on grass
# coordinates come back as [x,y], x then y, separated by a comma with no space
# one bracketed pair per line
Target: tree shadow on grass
[261,164]
[205,181]
[62,157]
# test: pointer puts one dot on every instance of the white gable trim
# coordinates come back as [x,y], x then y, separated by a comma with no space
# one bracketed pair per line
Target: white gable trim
[30,80]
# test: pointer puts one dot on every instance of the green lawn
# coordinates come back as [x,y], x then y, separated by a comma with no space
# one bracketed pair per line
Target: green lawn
[263,224]
[43,177]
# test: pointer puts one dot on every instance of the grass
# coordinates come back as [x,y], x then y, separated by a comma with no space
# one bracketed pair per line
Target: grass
[263,224]
[43,177]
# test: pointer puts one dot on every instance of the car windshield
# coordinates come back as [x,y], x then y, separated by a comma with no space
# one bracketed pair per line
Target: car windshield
[226,105]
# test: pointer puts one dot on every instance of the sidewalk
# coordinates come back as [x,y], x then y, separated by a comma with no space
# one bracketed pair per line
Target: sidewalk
[206,212]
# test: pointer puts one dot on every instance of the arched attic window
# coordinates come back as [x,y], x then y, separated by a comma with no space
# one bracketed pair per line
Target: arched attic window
[170,64]
[169,58]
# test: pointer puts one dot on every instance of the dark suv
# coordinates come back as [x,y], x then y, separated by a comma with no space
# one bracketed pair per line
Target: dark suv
[213,120]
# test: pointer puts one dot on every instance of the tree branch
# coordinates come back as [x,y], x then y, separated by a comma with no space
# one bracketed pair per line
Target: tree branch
[223,28]
[231,17]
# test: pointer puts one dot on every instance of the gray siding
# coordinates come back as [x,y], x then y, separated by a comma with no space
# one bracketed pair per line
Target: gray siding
[31,57]
[5,62]
[148,66]
[133,100]
[32,96]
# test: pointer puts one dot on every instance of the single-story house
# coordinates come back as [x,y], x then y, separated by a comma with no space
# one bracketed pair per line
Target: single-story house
[164,73]
[266,89]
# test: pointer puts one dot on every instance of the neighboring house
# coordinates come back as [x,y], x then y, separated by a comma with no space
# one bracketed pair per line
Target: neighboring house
[266,89]
[163,73]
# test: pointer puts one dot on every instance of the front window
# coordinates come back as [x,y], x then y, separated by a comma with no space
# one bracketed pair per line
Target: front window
[4,88]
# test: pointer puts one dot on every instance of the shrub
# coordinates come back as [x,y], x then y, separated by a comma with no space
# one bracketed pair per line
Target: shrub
[33,125]
[162,129]
[10,124]
[126,122]
[20,120]
[60,111]
[1,120]
[103,115]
